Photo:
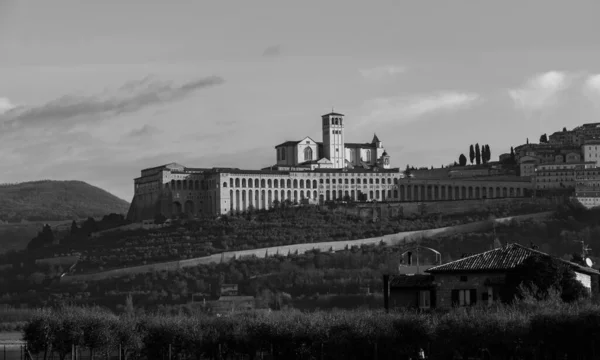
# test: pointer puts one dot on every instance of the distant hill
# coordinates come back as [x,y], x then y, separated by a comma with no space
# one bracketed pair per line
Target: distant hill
[48,200]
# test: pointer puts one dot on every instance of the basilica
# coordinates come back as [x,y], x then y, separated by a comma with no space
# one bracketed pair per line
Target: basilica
[333,152]
[305,171]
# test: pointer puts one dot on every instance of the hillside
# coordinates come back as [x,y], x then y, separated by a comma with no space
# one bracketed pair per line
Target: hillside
[56,200]
[26,207]
[307,278]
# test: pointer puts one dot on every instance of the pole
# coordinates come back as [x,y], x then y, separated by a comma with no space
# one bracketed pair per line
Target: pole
[417,259]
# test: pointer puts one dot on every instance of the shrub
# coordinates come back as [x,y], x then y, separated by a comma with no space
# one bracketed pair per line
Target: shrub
[498,332]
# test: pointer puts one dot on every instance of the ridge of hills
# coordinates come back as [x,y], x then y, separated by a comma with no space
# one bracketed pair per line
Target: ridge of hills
[25,207]
[49,200]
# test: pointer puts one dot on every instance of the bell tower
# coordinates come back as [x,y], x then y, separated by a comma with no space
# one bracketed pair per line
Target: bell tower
[333,139]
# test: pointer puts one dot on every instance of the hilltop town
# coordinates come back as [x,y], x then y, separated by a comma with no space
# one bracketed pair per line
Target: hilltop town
[312,172]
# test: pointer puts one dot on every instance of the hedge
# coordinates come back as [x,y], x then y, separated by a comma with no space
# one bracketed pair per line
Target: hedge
[501,333]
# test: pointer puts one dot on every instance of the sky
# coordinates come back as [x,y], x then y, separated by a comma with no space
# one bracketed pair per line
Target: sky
[98,90]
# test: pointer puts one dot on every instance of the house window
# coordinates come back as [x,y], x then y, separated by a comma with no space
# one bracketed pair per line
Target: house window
[464,297]
[424,299]
[463,278]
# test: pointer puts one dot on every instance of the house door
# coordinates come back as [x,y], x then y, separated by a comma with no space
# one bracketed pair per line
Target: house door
[424,299]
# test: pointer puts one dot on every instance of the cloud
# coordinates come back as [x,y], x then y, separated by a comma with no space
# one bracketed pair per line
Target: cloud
[94,133]
[382,72]
[409,108]
[146,130]
[592,84]
[5,105]
[131,97]
[272,51]
[540,91]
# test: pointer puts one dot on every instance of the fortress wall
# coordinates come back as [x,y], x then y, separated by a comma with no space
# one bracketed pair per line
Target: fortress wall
[391,239]
[439,207]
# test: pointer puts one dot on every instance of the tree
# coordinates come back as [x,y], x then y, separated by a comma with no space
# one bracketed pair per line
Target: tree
[462,160]
[477,154]
[129,308]
[564,129]
[540,275]
[407,171]
[488,153]
[160,219]
[89,226]
[471,154]
[43,238]
[543,139]
[74,228]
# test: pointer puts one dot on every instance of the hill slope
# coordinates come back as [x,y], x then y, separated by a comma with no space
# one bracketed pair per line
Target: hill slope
[48,200]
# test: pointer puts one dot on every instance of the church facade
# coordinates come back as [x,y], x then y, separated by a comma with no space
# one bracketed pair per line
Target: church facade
[306,171]
[333,152]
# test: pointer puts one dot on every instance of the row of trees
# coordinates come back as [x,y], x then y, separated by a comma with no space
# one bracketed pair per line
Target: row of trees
[476,154]
[524,330]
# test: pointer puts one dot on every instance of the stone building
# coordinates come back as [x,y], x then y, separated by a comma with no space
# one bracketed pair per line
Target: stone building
[334,152]
[591,151]
[474,279]
[558,175]
[306,171]
[587,187]
[173,189]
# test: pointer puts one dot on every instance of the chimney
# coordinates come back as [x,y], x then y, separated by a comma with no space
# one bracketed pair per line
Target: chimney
[409,258]
[386,293]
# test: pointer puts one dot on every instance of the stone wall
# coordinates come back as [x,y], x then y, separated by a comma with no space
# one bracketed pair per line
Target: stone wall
[392,239]
[447,282]
[439,207]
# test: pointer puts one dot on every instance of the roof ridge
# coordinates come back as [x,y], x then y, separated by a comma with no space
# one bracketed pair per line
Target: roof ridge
[466,257]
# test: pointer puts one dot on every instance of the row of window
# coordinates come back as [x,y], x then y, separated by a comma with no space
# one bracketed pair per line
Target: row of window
[190,184]
[302,184]
[409,193]
[334,121]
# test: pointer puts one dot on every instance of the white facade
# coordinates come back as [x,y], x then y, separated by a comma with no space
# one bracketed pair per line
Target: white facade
[584,279]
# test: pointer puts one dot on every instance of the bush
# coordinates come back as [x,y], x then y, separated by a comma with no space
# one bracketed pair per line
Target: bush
[497,332]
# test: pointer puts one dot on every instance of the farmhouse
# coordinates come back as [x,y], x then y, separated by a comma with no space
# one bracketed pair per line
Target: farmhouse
[468,281]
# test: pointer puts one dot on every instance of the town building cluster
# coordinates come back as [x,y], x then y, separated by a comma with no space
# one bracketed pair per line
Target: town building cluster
[565,160]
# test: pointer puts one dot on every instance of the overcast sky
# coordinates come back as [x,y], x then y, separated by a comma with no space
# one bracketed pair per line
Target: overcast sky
[97,90]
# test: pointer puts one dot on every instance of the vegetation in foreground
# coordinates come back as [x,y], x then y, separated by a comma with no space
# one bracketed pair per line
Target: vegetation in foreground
[526,328]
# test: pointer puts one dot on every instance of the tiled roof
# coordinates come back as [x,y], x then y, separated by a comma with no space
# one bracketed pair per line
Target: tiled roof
[501,259]
[359,145]
[288,143]
[411,281]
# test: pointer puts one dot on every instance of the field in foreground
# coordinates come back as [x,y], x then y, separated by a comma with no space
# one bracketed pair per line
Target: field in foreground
[527,329]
